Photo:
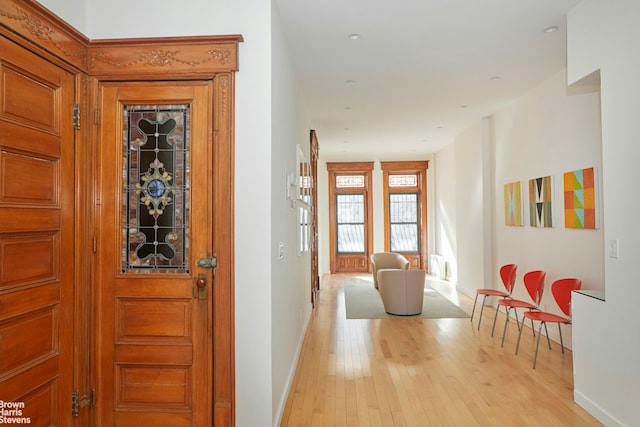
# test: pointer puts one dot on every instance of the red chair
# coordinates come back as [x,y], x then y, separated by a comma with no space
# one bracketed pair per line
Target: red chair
[534,283]
[561,290]
[508,276]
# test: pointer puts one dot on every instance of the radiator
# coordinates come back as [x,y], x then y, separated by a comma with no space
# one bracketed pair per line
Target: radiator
[438,266]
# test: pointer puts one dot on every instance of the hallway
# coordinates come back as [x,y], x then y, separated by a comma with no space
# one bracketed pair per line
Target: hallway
[425,372]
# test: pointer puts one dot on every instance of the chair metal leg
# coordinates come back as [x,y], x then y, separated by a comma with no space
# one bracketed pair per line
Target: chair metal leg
[535,356]
[533,329]
[519,335]
[546,331]
[532,326]
[561,343]
[506,322]
[515,310]
[481,311]
[494,319]
[474,307]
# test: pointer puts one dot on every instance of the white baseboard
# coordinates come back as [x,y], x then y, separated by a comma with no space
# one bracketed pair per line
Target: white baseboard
[292,372]
[595,410]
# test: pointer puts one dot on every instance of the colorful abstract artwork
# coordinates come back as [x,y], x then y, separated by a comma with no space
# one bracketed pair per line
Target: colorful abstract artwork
[580,199]
[541,202]
[513,204]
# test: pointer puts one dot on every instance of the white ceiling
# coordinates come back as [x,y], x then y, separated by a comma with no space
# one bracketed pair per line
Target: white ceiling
[421,71]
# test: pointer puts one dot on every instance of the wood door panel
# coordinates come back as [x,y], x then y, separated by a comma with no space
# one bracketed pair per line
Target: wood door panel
[415,260]
[150,387]
[155,320]
[24,300]
[20,350]
[17,106]
[38,221]
[28,259]
[17,139]
[23,383]
[36,228]
[155,352]
[174,287]
[352,263]
[28,179]
[27,93]
[42,405]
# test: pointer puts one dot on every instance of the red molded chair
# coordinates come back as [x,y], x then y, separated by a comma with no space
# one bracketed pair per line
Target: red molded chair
[561,290]
[534,283]
[508,277]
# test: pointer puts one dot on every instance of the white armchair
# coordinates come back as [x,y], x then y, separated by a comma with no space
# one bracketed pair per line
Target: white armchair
[402,291]
[389,260]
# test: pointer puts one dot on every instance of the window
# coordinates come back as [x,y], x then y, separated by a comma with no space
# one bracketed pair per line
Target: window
[155,197]
[404,222]
[405,210]
[350,221]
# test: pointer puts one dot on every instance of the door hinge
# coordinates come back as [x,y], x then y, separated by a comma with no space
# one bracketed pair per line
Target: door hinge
[78,402]
[95,244]
[76,116]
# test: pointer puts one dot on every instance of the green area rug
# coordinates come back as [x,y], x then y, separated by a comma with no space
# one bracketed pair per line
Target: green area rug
[364,302]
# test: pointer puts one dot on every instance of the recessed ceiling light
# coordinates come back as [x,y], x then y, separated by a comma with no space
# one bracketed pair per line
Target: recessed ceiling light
[438,127]
[347,108]
[551,29]
[495,78]
[354,36]
[346,128]
[349,81]
[464,106]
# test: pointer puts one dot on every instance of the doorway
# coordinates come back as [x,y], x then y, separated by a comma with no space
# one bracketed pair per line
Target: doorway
[73,247]
[350,216]
[154,255]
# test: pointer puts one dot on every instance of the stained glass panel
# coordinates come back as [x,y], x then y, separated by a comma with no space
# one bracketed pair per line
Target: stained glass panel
[403,180]
[156,188]
[350,181]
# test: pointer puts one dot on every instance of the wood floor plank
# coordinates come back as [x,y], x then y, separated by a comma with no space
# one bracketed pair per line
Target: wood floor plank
[425,372]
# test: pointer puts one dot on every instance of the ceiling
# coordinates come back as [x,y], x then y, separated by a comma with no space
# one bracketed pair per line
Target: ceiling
[421,70]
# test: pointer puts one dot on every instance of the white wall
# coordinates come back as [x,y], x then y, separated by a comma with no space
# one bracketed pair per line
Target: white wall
[463,207]
[605,35]
[73,12]
[462,215]
[544,132]
[445,210]
[291,277]
[547,132]
[472,258]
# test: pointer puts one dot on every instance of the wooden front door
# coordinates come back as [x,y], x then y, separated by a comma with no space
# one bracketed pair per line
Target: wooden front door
[36,238]
[350,216]
[154,243]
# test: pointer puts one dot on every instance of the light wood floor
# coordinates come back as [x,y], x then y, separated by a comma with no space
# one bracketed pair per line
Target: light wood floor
[425,372]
